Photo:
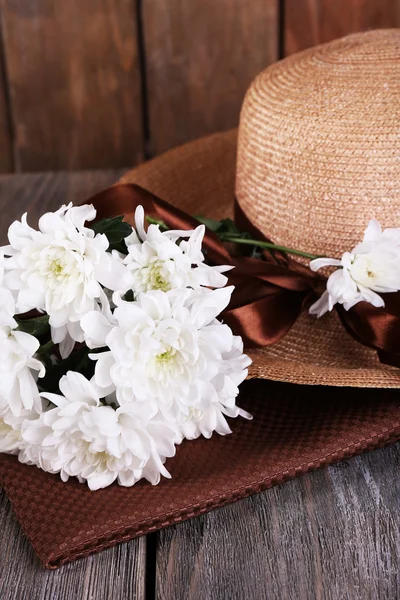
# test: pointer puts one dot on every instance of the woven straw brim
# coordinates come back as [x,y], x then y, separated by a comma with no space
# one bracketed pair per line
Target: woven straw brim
[200,178]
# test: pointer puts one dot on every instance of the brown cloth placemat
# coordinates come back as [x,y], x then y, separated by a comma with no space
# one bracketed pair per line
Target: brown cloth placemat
[295,429]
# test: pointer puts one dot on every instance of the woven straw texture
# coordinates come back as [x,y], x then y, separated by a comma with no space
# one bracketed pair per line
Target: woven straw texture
[319,144]
[295,429]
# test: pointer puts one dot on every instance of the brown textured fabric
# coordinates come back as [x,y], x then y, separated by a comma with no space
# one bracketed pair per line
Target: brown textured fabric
[295,429]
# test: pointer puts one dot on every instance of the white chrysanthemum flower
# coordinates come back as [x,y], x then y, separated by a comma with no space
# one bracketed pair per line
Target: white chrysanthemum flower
[17,369]
[11,441]
[210,415]
[372,266]
[157,262]
[83,438]
[168,351]
[7,302]
[60,268]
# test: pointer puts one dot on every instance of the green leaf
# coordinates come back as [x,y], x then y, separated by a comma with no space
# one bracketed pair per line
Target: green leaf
[37,326]
[209,223]
[221,227]
[77,361]
[228,226]
[116,231]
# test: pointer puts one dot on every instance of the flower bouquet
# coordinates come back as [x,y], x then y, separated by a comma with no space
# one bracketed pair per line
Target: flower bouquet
[115,340]
[111,349]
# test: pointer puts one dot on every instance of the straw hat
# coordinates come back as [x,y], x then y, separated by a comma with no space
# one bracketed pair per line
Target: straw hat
[318,155]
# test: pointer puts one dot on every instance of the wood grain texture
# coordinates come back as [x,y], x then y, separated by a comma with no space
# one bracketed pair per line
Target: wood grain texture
[74,82]
[329,535]
[118,573]
[6,158]
[311,22]
[37,193]
[201,55]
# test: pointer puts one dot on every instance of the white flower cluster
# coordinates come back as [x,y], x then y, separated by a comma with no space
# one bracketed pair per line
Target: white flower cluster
[164,367]
[371,268]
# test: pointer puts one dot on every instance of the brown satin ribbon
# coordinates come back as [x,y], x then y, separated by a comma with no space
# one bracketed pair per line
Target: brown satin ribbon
[269,294]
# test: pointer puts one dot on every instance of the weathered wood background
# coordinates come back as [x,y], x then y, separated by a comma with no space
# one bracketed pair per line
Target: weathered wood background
[107,83]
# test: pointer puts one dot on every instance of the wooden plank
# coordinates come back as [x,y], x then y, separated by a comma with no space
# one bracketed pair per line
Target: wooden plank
[6,159]
[115,573]
[37,193]
[330,534]
[201,55]
[311,22]
[74,81]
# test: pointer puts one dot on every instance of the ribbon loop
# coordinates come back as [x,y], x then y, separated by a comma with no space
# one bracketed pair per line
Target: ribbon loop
[269,294]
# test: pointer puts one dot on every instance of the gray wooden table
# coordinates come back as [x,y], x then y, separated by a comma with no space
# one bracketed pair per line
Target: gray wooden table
[332,534]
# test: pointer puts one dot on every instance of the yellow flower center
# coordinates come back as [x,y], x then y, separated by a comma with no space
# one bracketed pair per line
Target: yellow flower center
[56,267]
[156,279]
[166,356]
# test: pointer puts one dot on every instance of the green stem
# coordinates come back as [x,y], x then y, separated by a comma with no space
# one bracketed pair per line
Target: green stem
[231,237]
[237,240]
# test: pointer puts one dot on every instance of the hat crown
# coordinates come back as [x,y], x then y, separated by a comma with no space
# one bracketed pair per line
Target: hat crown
[319,144]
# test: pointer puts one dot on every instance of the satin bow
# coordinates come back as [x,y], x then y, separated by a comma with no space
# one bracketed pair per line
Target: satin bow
[269,294]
